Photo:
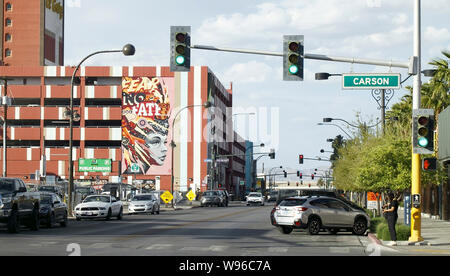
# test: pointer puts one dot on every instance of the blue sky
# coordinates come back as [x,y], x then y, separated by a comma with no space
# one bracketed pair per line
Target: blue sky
[375,29]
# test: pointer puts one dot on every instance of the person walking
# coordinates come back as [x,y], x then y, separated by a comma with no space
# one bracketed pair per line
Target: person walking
[391,216]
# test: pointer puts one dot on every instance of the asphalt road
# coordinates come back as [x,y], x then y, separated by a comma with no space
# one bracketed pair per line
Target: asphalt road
[236,230]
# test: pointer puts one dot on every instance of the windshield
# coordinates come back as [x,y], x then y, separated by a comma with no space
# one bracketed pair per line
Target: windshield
[143,198]
[7,185]
[210,193]
[292,202]
[46,200]
[255,194]
[46,189]
[97,199]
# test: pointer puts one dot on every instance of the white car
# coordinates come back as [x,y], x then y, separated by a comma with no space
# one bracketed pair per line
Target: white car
[255,198]
[144,203]
[99,206]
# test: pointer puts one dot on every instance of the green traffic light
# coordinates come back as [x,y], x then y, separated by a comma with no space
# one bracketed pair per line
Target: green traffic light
[180,60]
[423,142]
[293,69]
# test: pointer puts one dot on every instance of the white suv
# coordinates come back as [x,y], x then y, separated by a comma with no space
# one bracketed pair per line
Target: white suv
[319,212]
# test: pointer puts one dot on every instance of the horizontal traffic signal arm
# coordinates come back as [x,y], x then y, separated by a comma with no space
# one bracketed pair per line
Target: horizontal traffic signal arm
[276,174]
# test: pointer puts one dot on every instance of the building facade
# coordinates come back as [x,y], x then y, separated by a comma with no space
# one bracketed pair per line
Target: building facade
[32,32]
[112,118]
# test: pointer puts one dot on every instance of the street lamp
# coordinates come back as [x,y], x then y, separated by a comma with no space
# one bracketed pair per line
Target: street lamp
[127,50]
[322,124]
[172,143]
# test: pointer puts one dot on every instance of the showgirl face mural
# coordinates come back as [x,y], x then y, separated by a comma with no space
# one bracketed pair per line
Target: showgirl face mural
[145,124]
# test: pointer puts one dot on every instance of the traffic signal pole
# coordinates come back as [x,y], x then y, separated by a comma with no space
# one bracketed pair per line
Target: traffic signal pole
[415,165]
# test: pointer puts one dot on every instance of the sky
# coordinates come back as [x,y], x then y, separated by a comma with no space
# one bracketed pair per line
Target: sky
[286,112]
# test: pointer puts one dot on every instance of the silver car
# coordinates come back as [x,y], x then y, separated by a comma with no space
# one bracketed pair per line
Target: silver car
[144,203]
[317,213]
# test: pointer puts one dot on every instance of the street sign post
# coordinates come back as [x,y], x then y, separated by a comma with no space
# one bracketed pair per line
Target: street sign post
[371,81]
[167,197]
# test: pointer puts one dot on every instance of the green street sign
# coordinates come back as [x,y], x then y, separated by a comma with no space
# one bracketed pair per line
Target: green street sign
[371,81]
[94,165]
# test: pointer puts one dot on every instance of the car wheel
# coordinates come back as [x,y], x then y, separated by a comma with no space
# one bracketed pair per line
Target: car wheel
[63,223]
[35,222]
[157,212]
[120,215]
[153,210]
[108,216]
[51,220]
[14,222]
[360,227]
[285,229]
[314,226]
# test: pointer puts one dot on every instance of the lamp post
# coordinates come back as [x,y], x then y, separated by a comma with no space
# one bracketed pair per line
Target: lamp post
[172,143]
[127,50]
[322,124]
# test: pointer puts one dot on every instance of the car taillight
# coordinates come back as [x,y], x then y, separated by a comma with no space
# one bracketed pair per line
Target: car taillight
[277,208]
[301,209]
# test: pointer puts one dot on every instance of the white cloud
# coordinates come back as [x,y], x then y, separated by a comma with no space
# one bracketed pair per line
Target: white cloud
[249,72]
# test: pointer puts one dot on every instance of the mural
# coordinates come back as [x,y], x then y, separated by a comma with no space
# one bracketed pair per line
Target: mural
[145,125]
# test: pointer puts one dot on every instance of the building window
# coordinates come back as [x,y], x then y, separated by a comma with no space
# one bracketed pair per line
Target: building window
[8,7]
[7,52]
[8,37]
[8,22]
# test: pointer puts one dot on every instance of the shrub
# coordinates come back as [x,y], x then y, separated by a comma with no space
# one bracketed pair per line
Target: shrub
[403,232]
[374,222]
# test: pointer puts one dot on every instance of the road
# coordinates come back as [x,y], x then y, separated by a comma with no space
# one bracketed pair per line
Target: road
[236,230]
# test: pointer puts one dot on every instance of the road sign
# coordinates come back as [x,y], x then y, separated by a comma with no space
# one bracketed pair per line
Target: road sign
[371,81]
[190,195]
[134,168]
[167,197]
[94,165]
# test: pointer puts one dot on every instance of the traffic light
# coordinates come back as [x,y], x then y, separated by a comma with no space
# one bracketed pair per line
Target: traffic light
[301,175]
[272,154]
[293,53]
[298,173]
[180,51]
[285,173]
[429,164]
[312,176]
[423,131]
[300,159]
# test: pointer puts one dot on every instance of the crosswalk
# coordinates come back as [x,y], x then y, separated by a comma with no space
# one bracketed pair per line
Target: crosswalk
[93,248]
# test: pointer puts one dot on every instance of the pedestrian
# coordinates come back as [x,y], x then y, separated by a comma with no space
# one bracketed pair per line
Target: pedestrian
[391,216]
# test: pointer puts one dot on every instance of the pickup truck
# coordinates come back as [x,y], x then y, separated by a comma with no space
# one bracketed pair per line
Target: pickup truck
[17,206]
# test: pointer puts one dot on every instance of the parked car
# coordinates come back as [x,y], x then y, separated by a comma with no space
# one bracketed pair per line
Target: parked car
[272,196]
[52,210]
[52,189]
[144,203]
[99,206]
[317,213]
[17,205]
[226,196]
[212,197]
[255,198]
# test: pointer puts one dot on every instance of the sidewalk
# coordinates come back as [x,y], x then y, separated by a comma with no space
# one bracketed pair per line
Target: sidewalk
[436,234]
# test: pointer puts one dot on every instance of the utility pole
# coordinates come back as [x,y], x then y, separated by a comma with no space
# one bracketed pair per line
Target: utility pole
[415,164]
[5,126]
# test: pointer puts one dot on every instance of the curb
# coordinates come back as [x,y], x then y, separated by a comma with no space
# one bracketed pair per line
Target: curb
[374,239]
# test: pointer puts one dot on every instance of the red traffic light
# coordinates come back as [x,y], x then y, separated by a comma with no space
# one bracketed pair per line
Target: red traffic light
[429,164]
[300,158]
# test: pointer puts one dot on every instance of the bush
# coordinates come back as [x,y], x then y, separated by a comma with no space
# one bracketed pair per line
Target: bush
[374,222]
[403,232]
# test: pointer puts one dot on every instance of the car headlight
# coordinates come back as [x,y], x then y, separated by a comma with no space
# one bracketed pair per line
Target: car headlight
[5,200]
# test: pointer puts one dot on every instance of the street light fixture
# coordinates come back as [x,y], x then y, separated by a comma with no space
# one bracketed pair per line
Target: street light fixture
[172,143]
[127,50]
[322,124]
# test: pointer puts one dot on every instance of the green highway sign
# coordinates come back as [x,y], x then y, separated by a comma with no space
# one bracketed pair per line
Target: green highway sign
[94,165]
[371,81]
